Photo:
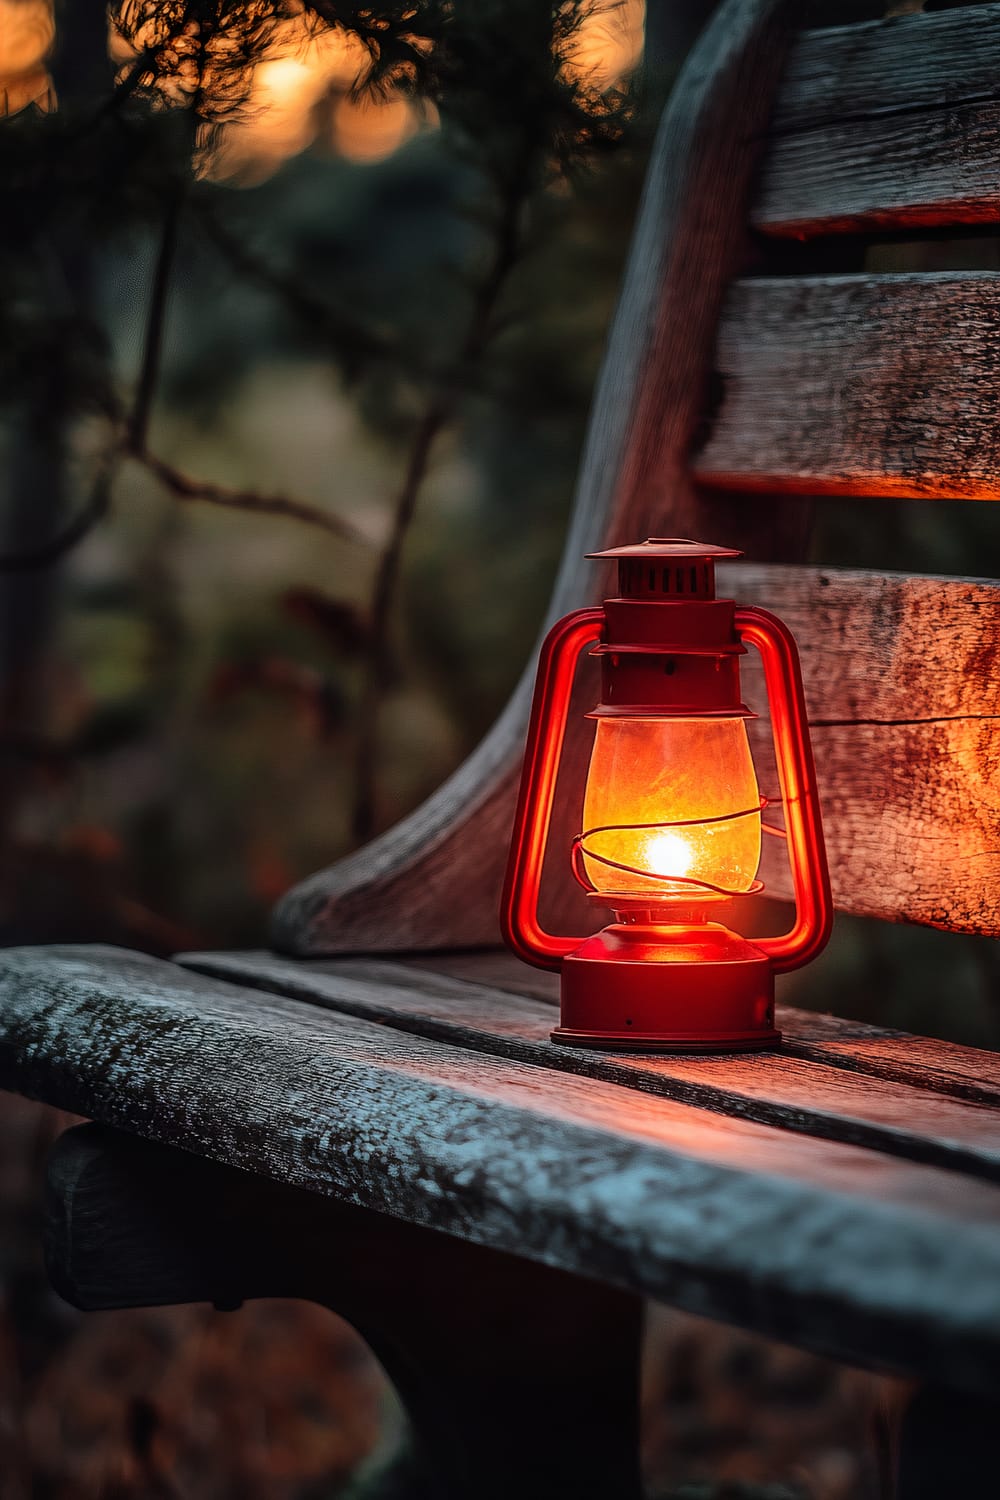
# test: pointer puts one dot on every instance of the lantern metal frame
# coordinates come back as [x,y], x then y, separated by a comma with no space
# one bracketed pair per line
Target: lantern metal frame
[663,977]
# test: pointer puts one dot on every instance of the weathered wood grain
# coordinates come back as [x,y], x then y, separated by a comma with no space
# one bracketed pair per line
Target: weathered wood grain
[851,1252]
[913,820]
[772,1088]
[893,123]
[517,1378]
[859,385]
[896,1056]
[435,879]
[900,677]
[495,967]
[882,648]
[969,1073]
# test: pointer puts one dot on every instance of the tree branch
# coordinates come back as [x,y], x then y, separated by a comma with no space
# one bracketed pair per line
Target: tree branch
[438,415]
[132,441]
[138,422]
[339,328]
[186,487]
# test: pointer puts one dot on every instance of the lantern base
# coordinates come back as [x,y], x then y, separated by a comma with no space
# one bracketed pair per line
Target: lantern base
[660,988]
[621,1041]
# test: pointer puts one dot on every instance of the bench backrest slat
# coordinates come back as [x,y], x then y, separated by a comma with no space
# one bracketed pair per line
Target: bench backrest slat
[860,385]
[902,696]
[890,123]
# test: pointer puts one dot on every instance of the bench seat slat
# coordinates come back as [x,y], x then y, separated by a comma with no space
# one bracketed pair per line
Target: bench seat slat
[969,1073]
[773,1088]
[859,385]
[848,1251]
[889,123]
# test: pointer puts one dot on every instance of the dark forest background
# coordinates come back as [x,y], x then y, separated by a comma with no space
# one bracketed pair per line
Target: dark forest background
[301,311]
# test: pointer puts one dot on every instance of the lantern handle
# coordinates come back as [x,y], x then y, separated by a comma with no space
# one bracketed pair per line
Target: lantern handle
[557,660]
[797,774]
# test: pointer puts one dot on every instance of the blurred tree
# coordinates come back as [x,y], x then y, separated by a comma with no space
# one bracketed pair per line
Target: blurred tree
[419,290]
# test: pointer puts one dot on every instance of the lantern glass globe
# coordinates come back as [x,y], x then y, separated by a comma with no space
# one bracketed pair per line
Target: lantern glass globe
[648,778]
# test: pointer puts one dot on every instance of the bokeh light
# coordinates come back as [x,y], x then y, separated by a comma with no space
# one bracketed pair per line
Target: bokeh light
[27,31]
[308,87]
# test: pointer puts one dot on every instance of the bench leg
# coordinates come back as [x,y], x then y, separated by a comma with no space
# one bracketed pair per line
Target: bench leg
[519,1380]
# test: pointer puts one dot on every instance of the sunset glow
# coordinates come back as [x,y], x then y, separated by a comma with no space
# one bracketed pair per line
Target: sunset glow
[609,43]
[305,92]
[307,87]
[27,31]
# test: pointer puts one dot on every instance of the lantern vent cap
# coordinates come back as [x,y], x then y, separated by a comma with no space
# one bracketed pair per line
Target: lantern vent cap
[667,569]
[677,547]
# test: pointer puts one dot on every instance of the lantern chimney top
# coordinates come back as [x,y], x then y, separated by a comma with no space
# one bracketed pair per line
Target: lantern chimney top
[667,568]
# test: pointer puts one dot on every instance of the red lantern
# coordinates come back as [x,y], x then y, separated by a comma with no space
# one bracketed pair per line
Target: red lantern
[672,819]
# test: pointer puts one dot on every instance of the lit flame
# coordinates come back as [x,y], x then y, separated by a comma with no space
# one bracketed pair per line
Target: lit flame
[667,853]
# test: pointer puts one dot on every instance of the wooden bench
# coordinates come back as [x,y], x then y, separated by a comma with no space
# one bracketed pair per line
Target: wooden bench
[393,1134]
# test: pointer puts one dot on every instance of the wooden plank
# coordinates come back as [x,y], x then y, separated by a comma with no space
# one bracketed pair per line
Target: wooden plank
[882,648]
[912,816]
[891,123]
[851,1252]
[495,967]
[434,880]
[969,1073]
[900,678]
[883,1052]
[773,1088]
[859,385]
